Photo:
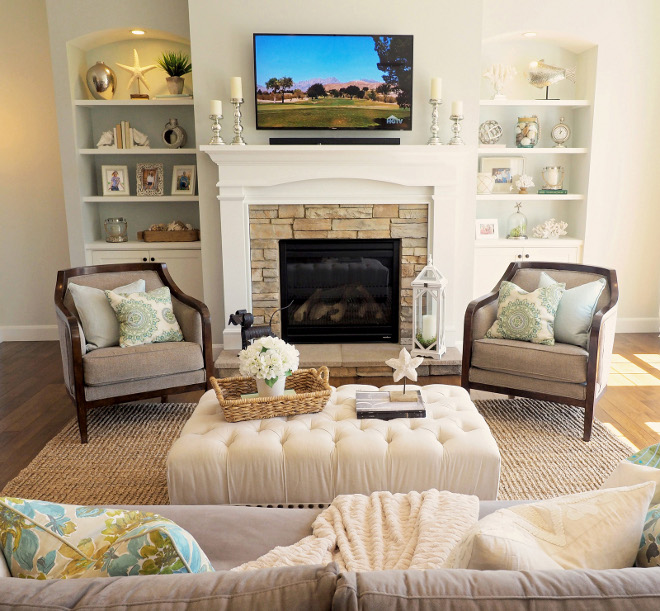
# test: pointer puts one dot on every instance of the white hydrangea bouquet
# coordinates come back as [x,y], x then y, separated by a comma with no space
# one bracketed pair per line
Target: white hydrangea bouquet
[269,359]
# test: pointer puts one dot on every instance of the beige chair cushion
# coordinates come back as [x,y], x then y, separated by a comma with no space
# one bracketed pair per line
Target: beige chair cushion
[561,362]
[113,365]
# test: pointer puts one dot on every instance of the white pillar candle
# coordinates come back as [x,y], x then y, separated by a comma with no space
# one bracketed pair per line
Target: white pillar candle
[436,88]
[236,87]
[457,108]
[428,326]
[216,107]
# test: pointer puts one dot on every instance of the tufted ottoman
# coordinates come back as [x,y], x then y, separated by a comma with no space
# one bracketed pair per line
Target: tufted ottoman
[314,457]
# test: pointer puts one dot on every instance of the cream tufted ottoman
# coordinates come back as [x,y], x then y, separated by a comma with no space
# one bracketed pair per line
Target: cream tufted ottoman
[314,457]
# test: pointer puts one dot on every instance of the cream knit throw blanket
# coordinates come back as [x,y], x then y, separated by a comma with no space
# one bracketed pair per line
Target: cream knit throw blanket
[380,532]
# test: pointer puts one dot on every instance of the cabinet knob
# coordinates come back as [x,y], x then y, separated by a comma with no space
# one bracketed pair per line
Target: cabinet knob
[526,257]
[144,258]
[153,258]
[518,256]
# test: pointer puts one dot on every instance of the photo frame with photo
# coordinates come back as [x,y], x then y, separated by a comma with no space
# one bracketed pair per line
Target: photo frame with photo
[115,180]
[183,180]
[486,229]
[506,171]
[149,179]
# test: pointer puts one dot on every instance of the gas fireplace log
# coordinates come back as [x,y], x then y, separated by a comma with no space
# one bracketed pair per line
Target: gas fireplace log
[369,305]
[303,311]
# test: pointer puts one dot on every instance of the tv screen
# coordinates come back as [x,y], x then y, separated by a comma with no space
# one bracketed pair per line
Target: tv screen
[319,81]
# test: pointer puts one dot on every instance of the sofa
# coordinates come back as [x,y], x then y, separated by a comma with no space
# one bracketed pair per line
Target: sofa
[232,535]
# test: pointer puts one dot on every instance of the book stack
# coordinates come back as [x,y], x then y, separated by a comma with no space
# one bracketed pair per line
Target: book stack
[377,404]
[123,135]
[553,191]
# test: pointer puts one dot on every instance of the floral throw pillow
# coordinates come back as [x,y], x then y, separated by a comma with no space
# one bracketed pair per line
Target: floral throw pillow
[649,547]
[42,540]
[145,318]
[527,317]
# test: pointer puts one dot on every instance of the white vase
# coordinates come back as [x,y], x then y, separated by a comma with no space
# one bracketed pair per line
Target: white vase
[485,183]
[275,390]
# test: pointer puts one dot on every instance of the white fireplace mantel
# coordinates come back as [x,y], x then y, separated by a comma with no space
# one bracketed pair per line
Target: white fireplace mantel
[322,174]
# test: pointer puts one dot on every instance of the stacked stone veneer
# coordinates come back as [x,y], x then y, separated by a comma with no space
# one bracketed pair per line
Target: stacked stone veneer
[271,223]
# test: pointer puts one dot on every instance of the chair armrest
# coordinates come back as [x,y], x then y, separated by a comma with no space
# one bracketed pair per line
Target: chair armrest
[72,348]
[195,321]
[601,346]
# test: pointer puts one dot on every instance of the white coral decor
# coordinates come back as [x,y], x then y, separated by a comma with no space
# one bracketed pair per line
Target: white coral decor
[269,358]
[524,182]
[550,229]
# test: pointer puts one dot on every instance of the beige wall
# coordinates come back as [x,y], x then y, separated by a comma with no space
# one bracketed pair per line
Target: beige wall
[33,240]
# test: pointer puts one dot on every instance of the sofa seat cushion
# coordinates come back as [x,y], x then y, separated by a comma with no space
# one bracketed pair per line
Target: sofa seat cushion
[563,362]
[113,365]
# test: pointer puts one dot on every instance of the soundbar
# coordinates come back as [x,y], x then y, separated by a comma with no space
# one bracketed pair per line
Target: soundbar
[335,140]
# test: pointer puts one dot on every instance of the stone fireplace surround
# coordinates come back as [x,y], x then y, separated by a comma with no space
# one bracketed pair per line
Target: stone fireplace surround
[322,186]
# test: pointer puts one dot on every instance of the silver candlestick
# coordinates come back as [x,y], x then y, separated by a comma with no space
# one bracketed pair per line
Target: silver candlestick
[215,128]
[456,128]
[435,128]
[238,128]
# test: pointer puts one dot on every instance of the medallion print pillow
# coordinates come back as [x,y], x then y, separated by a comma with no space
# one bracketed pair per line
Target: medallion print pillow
[42,540]
[527,317]
[145,318]
[649,547]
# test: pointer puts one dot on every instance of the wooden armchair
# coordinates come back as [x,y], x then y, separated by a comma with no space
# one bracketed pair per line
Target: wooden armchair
[562,373]
[106,376]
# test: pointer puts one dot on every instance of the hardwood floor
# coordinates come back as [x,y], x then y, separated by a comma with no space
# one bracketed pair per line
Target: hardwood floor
[34,405]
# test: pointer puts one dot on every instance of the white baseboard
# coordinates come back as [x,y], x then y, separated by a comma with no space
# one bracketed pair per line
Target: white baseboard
[217,349]
[29,333]
[637,325]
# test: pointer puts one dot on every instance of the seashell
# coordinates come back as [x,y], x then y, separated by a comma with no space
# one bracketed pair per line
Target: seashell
[518,130]
[157,227]
[176,226]
[525,141]
[522,125]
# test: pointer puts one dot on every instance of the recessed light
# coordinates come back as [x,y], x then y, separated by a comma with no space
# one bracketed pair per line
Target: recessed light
[138,32]
[529,34]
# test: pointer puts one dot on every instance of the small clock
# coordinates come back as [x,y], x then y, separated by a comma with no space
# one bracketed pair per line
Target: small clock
[560,133]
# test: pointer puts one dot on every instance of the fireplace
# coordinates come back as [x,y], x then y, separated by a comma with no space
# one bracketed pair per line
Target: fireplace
[340,290]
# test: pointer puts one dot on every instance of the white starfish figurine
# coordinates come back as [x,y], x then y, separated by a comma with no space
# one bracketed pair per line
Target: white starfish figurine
[137,72]
[405,365]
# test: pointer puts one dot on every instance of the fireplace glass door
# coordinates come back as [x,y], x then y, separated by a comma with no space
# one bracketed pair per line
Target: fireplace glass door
[340,290]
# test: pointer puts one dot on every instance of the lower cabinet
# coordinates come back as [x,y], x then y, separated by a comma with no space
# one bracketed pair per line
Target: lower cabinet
[490,262]
[184,265]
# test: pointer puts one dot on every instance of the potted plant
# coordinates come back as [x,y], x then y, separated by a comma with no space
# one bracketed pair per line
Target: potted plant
[176,64]
[269,360]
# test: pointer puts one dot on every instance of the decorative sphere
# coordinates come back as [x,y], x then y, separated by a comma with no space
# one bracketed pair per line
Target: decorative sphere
[101,81]
[490,132]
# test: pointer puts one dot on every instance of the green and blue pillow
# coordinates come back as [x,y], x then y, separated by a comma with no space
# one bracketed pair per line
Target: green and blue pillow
[527,317]
[43,540]
[145,318]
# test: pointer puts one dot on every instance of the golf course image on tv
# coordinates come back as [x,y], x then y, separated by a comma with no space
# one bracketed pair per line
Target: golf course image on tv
[333,81]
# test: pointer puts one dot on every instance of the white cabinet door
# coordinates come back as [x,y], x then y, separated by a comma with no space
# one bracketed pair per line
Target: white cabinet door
[185,267]
[566,254]
[105,257]
[490,265]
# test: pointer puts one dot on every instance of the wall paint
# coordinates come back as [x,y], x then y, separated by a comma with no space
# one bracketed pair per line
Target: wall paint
[447,44]
[34,244]
[623,215]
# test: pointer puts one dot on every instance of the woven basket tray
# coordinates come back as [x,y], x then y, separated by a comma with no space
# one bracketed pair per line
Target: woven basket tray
[312,393]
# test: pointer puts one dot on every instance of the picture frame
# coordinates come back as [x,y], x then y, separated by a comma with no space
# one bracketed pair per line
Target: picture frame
[149,179]
[506,171]
[486,229]
[114,179]
[183,179]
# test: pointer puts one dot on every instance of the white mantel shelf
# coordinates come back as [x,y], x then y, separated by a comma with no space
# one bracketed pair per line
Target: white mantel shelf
[408,165]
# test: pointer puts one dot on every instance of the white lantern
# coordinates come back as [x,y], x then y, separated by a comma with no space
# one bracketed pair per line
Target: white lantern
[428,321]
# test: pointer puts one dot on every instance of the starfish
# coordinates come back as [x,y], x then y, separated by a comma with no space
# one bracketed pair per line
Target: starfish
[136,71]
[405,365]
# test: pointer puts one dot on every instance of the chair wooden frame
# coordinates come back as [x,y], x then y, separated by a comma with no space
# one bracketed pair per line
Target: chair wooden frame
[72,337]
[595,338]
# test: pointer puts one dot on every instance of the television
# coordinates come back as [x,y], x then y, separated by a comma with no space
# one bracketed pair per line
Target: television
[333,81]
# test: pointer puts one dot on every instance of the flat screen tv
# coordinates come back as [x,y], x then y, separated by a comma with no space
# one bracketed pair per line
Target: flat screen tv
[333,81]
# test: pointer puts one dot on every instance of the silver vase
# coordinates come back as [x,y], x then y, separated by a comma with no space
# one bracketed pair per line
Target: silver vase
[101,81]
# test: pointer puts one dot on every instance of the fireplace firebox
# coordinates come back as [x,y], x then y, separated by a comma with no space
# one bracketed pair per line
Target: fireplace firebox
[341,290]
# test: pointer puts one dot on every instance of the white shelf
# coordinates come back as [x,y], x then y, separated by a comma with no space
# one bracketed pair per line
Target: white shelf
[509,150]
[137,151]
[159,102]
[141,199]
[135,245]
[569,103]
[527,197]
[562,242]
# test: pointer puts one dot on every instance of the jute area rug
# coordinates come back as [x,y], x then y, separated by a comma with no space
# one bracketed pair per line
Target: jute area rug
[543,454]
